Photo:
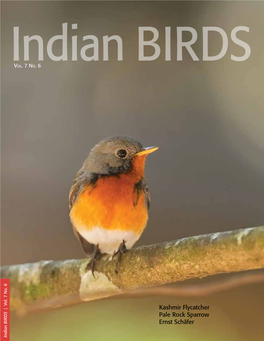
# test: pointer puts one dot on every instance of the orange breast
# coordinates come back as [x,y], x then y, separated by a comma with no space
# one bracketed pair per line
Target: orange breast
[112,204]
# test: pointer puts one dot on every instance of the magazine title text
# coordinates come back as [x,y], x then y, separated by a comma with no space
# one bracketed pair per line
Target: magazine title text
[149,47]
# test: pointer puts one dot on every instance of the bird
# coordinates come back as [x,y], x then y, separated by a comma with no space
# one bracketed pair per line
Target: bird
[109,198]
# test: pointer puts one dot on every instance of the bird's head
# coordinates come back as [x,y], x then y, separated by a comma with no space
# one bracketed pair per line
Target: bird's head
[117,154]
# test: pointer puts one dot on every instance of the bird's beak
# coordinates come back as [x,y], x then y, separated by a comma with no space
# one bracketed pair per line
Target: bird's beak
[147,150]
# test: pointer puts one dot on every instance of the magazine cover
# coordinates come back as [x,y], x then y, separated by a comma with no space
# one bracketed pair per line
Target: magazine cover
[132,192]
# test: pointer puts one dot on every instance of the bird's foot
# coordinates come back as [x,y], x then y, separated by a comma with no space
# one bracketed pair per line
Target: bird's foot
[96,255]
[119,253]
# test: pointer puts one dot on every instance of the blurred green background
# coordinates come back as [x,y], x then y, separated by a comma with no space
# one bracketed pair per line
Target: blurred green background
[234,316]
[208,175]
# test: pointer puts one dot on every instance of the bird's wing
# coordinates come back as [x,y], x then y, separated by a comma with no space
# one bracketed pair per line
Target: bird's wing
[80,182]
[146,192]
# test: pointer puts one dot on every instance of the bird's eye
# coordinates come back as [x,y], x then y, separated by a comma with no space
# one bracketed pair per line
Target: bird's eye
[121,153]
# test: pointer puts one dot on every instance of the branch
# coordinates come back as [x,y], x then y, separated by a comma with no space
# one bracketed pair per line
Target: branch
[199,290]
[50,284]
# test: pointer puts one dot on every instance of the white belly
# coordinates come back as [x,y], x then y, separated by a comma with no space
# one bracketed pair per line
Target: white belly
[109,240]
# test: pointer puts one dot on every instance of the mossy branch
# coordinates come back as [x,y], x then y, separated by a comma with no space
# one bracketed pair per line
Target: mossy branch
[50,284]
